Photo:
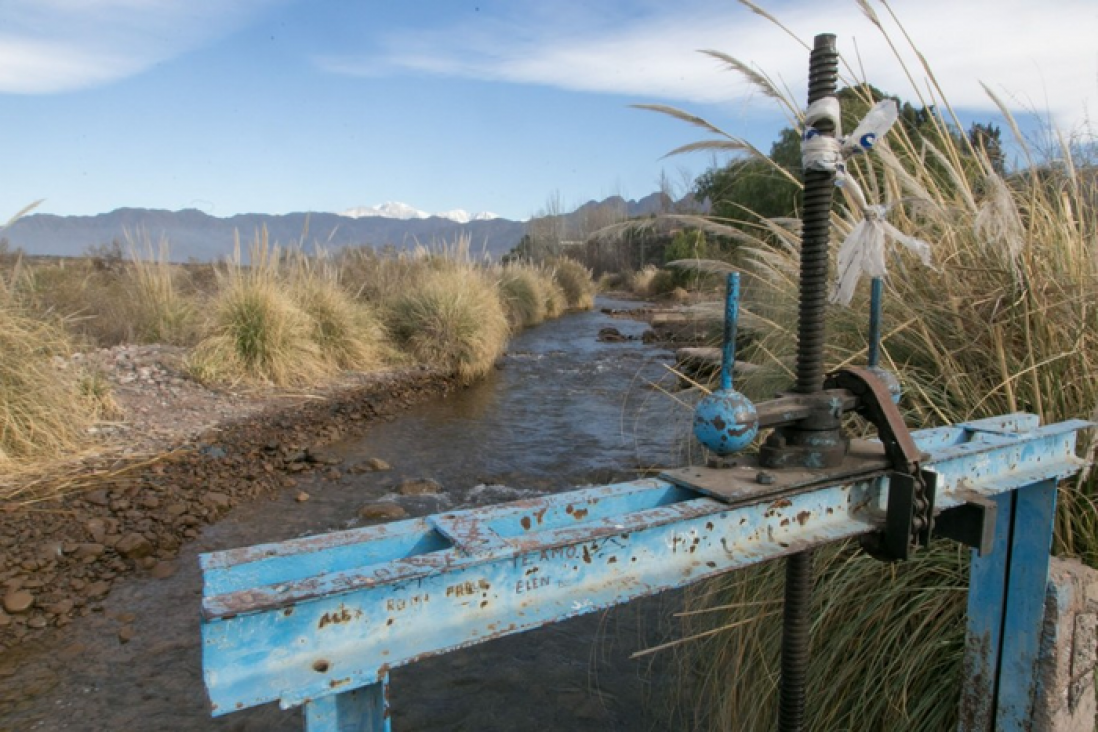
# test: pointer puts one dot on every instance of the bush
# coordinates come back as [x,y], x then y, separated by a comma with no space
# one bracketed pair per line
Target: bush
[160,313]
[522,293]
[348,332]
[575,281]
[42,413]
[453,319]
[640,282]
[258,332]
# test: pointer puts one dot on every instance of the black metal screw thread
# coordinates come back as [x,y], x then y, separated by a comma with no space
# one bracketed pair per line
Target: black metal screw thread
[795,637]
[823,76]
[819,188]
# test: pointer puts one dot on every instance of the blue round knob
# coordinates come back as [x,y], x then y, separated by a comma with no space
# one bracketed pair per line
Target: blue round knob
[726,421]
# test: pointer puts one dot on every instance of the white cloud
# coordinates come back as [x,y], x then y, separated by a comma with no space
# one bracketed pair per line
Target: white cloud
[1038,56]
[49,46]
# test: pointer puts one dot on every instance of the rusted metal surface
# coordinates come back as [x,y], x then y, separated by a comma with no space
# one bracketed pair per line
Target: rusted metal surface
[314,617]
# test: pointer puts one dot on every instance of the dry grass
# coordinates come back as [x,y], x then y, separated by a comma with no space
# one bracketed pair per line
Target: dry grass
[575,281]
[521,291]
[1007,321]
[347,331]
[886,651]
[451,318]
[42,412]
[258,332]
[161,313]
[640,282]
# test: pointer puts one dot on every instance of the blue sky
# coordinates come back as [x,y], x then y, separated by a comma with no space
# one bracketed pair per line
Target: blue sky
[275,106]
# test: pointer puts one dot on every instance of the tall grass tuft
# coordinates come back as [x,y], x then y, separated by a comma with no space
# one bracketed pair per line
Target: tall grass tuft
[42,414]
[886,644]
[348,332]
[451,318]
[522,292]
[1006,321]
[161,314]
[258,332]
[575,281]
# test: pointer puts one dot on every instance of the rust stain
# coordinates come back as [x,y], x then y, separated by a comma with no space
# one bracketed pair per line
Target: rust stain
[525,522]
[343,615]
[336,683]
[612,560]
[579,513]
[803,516]
[781,503]
[539,515]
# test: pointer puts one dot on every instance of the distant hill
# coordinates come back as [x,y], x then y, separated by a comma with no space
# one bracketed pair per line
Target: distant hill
[195,235]
[199,236]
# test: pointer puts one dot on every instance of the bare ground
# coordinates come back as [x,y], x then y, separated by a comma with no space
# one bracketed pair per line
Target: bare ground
[176,456]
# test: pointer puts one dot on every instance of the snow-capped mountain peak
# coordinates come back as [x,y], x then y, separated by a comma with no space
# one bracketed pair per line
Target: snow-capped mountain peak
[396,210]
[387,210]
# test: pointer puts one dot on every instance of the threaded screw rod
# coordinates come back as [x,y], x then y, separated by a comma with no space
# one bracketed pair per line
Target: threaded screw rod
[819,189]
[823,76]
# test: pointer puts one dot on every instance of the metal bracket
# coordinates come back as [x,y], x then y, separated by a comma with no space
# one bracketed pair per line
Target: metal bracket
[902,490]
[972,523]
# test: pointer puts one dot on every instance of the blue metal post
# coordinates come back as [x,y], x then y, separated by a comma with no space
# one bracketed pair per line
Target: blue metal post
[359,710]
[1006,612]
[731,318]
[875,307]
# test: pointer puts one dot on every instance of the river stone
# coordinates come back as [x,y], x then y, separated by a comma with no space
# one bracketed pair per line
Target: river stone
[98,498]
[217,500]
[61,607]
[88,550]
[301,497]
[19,601]
[371,466]
[133,546]
[322,457]
[419,487]
[163,570]
[126,633]
[381,512]
[97,589]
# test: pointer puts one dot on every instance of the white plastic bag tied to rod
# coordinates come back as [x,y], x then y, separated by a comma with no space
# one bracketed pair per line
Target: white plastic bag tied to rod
[863,250]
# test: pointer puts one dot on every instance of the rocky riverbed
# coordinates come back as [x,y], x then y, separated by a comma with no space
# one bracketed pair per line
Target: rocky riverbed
[175,456]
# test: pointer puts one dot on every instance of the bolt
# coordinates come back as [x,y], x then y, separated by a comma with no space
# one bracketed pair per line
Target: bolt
[764,478]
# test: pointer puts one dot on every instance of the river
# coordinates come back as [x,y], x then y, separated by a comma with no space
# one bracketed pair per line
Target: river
[563,410]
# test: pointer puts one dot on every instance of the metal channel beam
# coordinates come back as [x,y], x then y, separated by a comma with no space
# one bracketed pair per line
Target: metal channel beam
[305,619]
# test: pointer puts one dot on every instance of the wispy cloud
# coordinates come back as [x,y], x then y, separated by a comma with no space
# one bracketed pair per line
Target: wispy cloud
[49,46]
[1041,56]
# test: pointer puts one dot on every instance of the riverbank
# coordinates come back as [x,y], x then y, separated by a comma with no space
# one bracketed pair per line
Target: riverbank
[177,456]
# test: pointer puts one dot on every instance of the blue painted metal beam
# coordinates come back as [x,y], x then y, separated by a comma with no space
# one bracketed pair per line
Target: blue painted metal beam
[309,618]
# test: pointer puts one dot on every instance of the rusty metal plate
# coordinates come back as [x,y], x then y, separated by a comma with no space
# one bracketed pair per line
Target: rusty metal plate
[744,481]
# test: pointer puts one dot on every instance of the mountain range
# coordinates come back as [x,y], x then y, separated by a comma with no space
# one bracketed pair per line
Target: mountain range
[195,235]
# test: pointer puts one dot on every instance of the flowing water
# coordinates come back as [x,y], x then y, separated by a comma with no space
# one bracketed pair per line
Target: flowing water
[563,410]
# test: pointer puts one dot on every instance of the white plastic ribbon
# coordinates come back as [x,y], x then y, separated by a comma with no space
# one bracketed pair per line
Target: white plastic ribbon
[863,251]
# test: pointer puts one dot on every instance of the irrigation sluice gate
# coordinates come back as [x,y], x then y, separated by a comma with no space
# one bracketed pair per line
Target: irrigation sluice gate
[320,621]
